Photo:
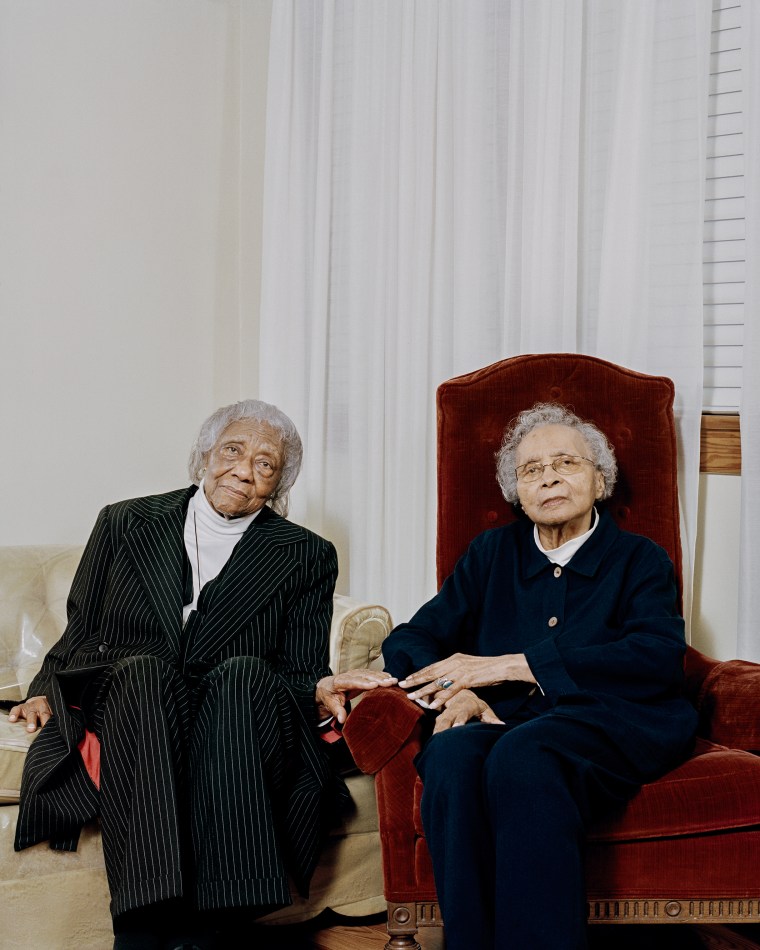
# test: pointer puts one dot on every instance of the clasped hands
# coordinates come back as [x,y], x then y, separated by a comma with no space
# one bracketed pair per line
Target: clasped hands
[448,686]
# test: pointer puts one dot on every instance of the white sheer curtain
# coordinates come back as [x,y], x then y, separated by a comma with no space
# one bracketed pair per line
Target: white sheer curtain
[749,548]
[448,184]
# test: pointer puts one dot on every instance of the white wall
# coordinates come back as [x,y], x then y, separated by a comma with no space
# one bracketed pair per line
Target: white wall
[716,587]
[131,149]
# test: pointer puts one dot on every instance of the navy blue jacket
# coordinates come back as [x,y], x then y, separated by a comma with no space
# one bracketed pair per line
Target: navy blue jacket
[602,635]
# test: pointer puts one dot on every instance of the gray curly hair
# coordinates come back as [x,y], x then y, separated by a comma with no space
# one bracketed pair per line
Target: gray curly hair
[544,414]
[262,412]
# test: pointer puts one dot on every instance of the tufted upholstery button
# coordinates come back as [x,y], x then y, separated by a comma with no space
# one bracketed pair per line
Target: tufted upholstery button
[491,516]
[558,571]
[555,392]
[623,512]
[553,621]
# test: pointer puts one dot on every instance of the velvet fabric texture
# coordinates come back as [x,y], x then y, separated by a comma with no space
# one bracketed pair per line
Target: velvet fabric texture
[694,834]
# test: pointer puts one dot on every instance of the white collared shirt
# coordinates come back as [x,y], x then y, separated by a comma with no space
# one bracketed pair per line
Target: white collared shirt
[564,552]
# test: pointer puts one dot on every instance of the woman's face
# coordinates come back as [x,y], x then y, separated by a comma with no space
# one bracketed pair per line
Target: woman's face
[244,468]
[554,500]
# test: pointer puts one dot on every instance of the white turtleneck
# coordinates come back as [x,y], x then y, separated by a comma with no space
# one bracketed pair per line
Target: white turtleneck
[209,540]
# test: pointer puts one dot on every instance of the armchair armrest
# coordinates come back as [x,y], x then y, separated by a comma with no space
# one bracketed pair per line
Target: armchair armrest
[377,728]
[729,705]
[384,733]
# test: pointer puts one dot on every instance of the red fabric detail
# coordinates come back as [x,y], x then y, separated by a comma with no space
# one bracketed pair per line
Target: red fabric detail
[715,790]
[330,734]
[378,726]
[696,667]
[702,867]
[727,704]
[418,808]
[423,869]
[394,788]
[90,750]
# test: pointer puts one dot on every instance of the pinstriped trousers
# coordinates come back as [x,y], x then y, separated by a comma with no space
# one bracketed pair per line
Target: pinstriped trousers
[195,794]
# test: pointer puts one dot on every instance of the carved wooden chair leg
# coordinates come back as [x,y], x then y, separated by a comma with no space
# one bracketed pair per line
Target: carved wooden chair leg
[402,927]
[402,942]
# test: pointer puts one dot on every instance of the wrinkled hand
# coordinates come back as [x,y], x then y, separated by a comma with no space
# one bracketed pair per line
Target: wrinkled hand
[462,708]
[35,710]
[463,671]
[333,692]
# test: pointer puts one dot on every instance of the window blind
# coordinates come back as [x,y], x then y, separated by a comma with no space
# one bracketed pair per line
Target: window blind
[724,253]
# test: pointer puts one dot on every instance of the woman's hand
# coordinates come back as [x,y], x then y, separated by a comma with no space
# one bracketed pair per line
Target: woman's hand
[463,708]
[462,671]
[333,692]
[35,710]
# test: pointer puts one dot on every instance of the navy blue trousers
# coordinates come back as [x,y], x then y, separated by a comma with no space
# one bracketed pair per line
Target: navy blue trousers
[505,810]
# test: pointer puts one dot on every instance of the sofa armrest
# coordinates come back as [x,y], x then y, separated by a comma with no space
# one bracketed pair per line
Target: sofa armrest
[357,634]
[729,705]
[34,586]
[380,726]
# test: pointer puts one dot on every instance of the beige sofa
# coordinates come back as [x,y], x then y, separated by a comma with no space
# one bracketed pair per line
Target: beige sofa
[53,900]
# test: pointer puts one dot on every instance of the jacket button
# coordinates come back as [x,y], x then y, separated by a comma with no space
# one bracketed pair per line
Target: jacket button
[553,621]
[102,647]
[558,571]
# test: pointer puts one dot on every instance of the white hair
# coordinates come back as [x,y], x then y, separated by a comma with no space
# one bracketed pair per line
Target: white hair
[266,414]
[547,414]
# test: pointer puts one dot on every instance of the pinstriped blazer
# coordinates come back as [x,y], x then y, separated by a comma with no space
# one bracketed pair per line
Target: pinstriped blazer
[273,600]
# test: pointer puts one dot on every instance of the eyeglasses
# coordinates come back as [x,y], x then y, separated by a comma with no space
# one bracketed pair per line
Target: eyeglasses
[562,465]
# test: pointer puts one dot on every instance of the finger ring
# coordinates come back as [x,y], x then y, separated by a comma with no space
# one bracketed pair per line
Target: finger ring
[444,683]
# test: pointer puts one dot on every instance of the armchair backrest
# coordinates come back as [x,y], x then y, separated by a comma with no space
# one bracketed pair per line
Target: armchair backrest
[634,410]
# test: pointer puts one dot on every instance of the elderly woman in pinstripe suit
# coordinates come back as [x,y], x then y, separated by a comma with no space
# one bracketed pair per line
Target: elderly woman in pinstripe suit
[181,704]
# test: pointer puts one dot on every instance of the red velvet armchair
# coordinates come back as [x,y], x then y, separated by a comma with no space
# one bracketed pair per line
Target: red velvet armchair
[687,847]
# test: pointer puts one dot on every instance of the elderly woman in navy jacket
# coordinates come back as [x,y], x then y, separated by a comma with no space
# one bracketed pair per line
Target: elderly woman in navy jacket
[553,659]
